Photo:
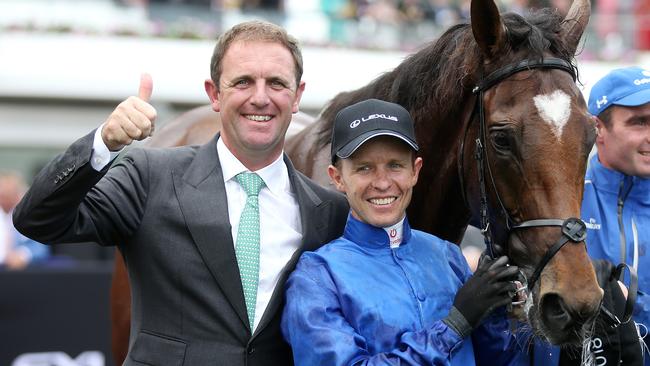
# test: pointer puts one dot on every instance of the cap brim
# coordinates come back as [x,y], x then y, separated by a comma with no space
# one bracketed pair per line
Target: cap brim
[353,145]
[636,99]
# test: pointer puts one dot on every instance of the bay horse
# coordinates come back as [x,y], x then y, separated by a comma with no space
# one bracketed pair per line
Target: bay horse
[504,133]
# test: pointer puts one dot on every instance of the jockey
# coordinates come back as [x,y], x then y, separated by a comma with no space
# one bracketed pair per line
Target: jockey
[384,293]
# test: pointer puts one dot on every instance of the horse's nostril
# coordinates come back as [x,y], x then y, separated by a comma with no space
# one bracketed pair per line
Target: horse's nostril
[554,313]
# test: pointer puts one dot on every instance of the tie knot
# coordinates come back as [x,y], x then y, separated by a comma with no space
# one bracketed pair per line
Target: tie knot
[251,182]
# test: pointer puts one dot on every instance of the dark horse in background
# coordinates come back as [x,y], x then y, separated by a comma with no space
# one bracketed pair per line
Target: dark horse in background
[528,128]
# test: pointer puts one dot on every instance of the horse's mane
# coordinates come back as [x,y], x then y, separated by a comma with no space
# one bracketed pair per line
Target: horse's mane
[433,82]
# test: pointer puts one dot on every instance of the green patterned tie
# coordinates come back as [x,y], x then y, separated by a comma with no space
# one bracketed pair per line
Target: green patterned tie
[247,247]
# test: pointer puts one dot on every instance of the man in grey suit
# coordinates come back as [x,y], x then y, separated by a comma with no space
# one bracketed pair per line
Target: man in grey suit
[207,259]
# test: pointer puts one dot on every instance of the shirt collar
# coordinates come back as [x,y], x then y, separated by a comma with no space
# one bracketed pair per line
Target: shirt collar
[274,175]
[366,235]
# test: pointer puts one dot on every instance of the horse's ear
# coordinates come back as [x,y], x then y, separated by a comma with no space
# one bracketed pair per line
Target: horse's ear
[575,22]
[487,26]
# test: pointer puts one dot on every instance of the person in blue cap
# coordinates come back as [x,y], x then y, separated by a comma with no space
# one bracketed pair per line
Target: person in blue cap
[383,293]
[616,203]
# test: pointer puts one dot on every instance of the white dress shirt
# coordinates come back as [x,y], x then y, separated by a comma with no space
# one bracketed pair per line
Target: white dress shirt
[280,225]
[101,155]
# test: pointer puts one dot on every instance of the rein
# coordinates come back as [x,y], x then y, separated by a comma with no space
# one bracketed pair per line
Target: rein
[572,229]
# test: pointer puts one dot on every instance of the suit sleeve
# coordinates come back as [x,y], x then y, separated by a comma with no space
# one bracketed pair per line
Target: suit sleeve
[319,334]
[70,202]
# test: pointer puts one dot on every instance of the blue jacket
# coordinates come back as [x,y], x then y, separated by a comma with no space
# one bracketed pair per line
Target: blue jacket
[356,301]
[603,190]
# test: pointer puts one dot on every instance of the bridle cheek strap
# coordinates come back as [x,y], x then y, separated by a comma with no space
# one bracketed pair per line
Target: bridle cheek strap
[481,149]
[573,229]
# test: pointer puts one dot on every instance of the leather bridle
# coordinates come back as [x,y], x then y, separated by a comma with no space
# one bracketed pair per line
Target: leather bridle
[572,229]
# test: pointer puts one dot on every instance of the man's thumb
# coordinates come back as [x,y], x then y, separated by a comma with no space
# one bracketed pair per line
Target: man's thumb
[146,87]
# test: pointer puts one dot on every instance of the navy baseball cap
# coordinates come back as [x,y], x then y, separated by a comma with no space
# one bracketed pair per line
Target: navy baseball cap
[358,123]
[629,86]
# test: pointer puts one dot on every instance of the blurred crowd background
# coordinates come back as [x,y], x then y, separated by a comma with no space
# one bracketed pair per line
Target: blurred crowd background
[65,64]
[617,26]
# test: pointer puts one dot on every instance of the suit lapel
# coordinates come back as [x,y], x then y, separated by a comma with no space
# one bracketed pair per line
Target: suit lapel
[314,214]
[202,196]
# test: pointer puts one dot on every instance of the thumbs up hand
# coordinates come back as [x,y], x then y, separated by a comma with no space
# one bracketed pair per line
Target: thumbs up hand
[133,119]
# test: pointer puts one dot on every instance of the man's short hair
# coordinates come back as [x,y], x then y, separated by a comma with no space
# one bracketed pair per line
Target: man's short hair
[255,30]
[606,117]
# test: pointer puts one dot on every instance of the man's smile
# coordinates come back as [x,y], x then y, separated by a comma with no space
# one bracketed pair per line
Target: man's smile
[257,117]
[382,201]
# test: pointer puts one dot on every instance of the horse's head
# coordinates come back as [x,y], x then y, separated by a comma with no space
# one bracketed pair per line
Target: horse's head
[531,134]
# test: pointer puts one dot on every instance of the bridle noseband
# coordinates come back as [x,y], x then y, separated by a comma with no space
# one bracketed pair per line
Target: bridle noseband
[573,229]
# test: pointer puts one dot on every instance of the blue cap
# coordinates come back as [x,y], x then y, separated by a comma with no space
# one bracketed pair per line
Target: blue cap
[629,86]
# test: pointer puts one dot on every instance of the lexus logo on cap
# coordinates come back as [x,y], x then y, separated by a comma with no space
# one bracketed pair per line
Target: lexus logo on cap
[357,122]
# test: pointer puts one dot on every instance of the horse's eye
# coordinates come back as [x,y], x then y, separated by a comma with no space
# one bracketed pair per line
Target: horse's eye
[501,140]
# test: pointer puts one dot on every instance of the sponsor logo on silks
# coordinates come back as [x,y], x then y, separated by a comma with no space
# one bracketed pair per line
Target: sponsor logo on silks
[357,122]
[87,358]
[601,102]
[392,233]
[592,224]
[395,234]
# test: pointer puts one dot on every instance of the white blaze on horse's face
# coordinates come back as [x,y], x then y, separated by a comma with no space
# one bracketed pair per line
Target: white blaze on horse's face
[555,109]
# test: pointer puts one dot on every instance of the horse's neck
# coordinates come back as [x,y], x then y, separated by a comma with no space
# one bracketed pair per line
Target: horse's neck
[438,205]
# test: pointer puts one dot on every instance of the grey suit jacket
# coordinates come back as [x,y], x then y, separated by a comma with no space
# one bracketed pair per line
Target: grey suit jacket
[167,208]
